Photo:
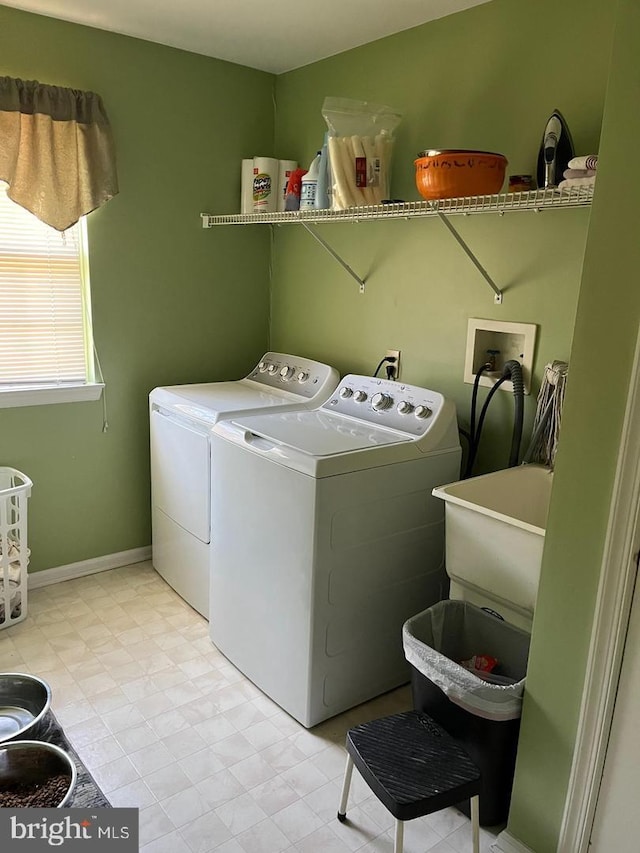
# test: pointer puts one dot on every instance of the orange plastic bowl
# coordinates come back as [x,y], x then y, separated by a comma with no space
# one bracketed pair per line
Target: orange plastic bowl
[457,173]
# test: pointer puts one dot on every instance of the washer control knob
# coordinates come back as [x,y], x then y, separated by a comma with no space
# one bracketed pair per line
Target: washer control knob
[381,401]
[360,396]
[273,368]
[404,408]
[345,393]
[302,376]
[423,412]
[287,372]
[262,366]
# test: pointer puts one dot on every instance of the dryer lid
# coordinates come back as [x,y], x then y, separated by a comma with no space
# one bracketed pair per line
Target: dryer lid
[319,433]
[207,402]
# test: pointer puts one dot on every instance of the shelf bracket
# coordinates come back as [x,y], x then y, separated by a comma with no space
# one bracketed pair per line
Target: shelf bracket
[334,254]
[497,298]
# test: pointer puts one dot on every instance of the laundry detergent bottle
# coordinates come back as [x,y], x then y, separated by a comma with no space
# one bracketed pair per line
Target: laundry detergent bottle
[310,185]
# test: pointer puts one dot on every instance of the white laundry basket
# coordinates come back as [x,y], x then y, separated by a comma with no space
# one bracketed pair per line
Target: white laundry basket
[15,488]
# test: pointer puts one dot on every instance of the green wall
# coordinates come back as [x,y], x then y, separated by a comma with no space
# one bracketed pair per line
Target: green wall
[171,302]
[471,80]
[480,79]
[601,360]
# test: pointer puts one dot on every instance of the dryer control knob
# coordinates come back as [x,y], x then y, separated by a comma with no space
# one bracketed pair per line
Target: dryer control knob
[302,376]
[345,393]
[360,396]
[272,369]
[404,408]
[423,412]
[262,366]
[380,402]
[287,372]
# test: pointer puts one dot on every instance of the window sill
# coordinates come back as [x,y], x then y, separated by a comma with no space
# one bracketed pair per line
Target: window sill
[46,394]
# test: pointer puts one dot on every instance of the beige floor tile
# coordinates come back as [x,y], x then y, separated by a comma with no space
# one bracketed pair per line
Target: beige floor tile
[172,843]
[325,800]
[207,833]
[154,823]
[274,795]
[87,732]
[167,781]
[134,795]
[184,743]
[115,774]
[240,814]
[264,837]
[220,788]
[201,765]
[101,752]
[168,725]
[252,771]
[305,777]
[185,806]
[151,758]
[136,738]
[324,839]
[297,821]
[283,755]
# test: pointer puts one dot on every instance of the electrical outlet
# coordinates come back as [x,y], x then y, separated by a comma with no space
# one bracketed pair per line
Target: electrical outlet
[392,370]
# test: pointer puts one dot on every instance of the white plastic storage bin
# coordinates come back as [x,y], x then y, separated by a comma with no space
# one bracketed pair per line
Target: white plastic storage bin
[15,488]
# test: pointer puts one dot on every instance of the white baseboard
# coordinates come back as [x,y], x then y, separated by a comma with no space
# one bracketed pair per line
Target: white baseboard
[89,567]
[506,843]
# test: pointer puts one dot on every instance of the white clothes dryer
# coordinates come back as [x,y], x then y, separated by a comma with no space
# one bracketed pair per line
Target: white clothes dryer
[328,538]
[181,418]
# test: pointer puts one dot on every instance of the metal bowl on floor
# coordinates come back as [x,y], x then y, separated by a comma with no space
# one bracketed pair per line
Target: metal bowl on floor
[24,700]
[37,774]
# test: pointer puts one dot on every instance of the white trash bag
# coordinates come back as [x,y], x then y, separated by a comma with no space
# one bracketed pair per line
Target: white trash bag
[437,640]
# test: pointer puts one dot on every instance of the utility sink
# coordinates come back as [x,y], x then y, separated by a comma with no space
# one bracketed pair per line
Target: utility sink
[495,527]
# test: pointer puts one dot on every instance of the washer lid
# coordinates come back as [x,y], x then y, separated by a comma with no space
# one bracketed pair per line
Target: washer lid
[207,402]
[319,433]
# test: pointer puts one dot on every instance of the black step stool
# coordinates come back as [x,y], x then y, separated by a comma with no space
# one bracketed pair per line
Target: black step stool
[413,767]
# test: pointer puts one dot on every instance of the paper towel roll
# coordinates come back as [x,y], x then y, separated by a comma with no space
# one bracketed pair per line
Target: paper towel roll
[284,172]
[246,186]
[265,184]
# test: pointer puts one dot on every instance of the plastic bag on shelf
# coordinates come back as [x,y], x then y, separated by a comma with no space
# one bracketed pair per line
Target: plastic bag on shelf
[361,137]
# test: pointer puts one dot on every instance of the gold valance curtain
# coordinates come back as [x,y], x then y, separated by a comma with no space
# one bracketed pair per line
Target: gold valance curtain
[56,150]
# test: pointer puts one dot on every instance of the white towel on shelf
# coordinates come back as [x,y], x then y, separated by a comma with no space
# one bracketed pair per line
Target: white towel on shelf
[576,182]
[588,161]
[579,173]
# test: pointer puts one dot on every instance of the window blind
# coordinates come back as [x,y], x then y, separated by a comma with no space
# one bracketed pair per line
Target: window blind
[43,335]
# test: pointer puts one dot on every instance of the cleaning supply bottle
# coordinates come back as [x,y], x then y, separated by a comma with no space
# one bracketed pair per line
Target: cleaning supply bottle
[322,188]
[310,185]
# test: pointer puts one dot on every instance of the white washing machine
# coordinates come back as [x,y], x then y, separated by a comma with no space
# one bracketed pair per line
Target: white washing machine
[181,418]
[328,538]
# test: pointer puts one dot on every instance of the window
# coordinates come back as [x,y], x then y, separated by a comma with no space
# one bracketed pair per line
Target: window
[46,345]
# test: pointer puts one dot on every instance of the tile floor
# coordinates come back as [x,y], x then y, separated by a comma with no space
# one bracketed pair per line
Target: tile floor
[166,724]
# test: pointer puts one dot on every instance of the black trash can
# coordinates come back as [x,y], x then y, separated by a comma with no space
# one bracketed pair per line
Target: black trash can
[482,713]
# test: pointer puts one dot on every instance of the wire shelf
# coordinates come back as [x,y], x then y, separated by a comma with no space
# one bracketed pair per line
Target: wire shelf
[536,200]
